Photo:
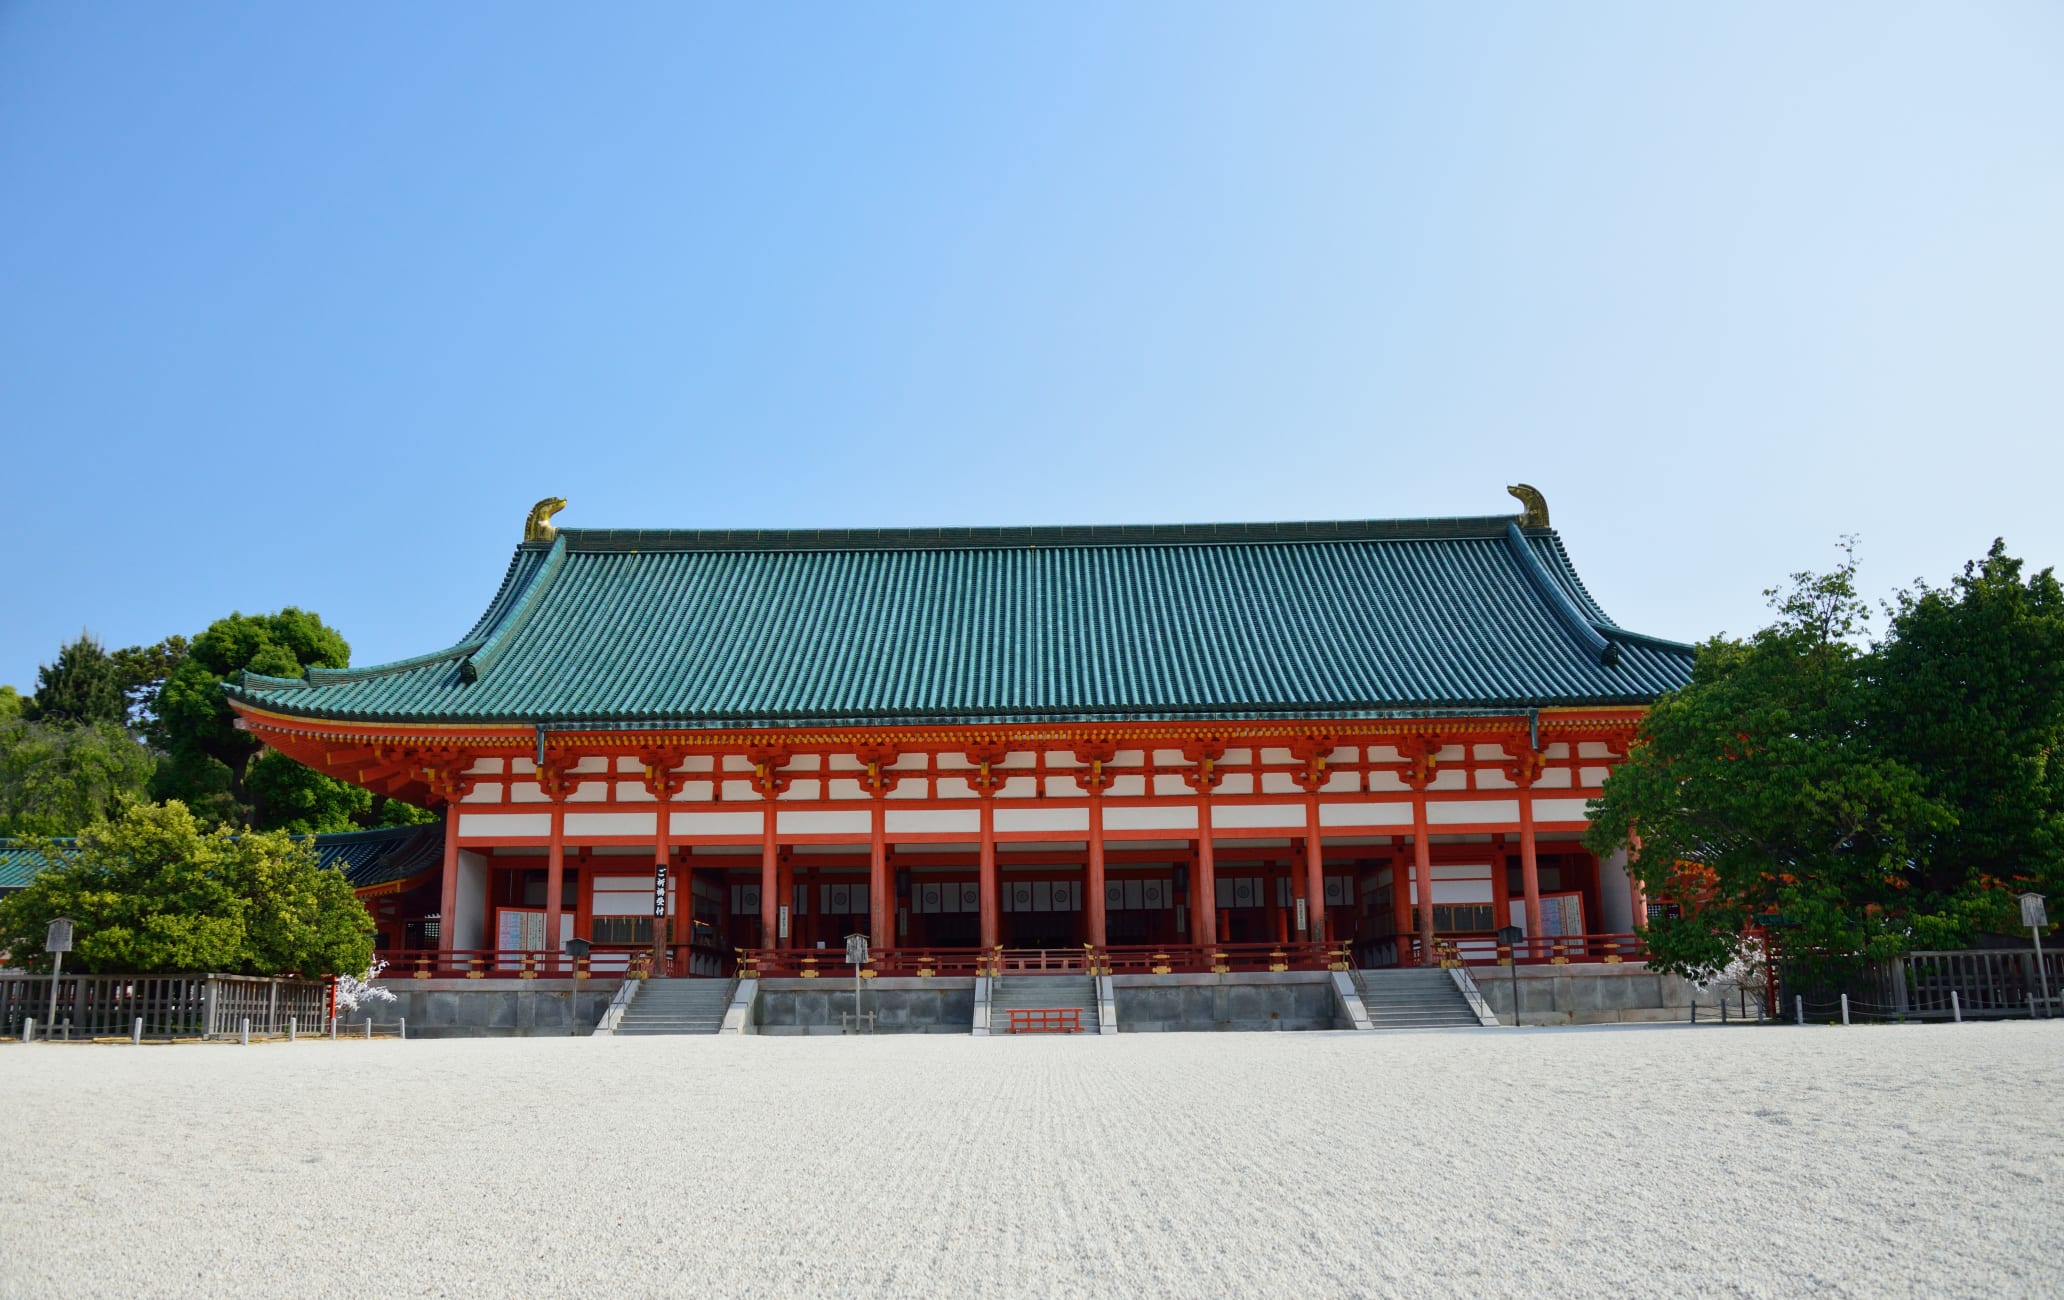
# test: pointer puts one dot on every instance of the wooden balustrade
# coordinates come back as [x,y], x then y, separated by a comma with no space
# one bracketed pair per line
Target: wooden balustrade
[1474,950]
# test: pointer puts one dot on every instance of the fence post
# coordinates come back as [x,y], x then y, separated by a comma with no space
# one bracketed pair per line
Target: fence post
[369,1027]
[293,1029]
[136,1032]
[1956,1007]
[404,1028]
[1694,1008]
[1799,1008]
[208,997]
[28,1032]
[244,1034]
[1845,1008]
[333,1027]
[272,1005]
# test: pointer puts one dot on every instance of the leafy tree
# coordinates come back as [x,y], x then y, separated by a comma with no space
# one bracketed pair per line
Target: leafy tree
[144,670]
[220,769]
[1968,690]
[153,892]
[1761,787]
[84,686]
[10,704]
[57,780]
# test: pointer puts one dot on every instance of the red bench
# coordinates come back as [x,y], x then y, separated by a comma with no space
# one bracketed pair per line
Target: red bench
[1045,1020]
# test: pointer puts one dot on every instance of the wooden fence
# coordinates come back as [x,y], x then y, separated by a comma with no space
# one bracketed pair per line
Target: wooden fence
[1987,982]
[170,1006]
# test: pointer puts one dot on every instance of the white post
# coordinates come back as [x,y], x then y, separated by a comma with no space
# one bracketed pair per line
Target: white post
[136,1032]
[1845,1008]
[244,1032]
[56,965]
[2041,974]
[369,1027]
[1799,1008]
[404,1028]
[293,1028]
[333,1029]
[1956,1006]
[28,1031]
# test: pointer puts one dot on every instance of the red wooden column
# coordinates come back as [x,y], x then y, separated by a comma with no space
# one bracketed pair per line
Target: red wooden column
[1094,873]
[1420,760]
[555,778]
[445,773]
[1314,752]
[1094,782]
[555,885]
[881,898]
[1203,776]
[769,781]
[1525,768]
[448,903]
[881,908]
[1501,886]
[1529,868]
[1400,899]
[985,781]
[662,782]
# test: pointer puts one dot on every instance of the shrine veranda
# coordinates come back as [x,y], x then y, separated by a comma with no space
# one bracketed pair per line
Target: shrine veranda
[1153,749]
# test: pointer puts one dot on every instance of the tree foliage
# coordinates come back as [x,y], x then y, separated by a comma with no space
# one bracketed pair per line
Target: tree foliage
[223,773]
[58,780]
[82,687]
[153,892]
[1875,796]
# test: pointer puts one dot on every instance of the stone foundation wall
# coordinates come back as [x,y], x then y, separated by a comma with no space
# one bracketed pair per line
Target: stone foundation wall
[1248,1000]
[1588,993]
[491,1008]
[900,1005]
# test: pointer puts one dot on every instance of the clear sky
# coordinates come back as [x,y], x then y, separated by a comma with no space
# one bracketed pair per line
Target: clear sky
[307,308]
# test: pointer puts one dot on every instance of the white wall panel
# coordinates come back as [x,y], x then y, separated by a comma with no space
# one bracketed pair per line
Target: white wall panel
[493,824]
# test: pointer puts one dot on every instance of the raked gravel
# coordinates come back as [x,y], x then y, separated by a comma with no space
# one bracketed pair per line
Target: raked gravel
[1651,1161]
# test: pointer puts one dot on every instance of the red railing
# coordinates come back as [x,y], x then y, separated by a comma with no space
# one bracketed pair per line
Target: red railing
[1483,950]
[1043,961]
[1167,959]
[825,963]
[604,961]
[1044,1020]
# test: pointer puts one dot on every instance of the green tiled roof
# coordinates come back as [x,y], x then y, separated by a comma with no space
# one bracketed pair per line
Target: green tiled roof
[365,857]
[687,628]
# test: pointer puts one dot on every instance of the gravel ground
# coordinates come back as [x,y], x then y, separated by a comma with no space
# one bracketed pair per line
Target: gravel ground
[1642,1161]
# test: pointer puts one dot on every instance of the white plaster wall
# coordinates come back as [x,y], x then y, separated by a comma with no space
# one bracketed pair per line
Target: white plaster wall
[468,920]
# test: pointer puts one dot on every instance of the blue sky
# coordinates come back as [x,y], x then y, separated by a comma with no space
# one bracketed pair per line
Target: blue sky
[307,308]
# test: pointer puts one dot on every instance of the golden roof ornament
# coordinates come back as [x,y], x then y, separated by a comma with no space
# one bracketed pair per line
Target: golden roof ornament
[538,527]
[1536,515]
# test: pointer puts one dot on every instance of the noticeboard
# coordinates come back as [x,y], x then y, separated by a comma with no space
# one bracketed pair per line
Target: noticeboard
[59,937]
[2032,914]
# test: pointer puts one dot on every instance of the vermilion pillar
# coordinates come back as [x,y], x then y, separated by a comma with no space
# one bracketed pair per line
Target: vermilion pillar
[1204,898]
[448,905]
[555,884]
[1529,869]
[1400,901]
[1094,884]
[770,884]
[662,859]
[1314,872]
[992,902]
[881,910]
[1422,876]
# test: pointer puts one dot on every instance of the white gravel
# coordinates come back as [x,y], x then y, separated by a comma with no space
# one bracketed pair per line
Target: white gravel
[1640,1161]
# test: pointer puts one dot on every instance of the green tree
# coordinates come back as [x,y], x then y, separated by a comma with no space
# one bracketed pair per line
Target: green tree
[10,704]
[1968,691]
[223,772]
[1760,787]
[57,780]
[83,686]
[152,892]
[144,670]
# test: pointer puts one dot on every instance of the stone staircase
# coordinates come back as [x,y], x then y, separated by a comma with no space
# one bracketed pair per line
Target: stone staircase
[1414,998]
[1078,992]
[677,1006]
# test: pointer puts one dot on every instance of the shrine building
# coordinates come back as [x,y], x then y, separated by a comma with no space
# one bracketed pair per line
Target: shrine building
[1154,748]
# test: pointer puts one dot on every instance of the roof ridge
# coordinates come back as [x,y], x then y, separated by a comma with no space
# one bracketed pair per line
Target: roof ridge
[988,538]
